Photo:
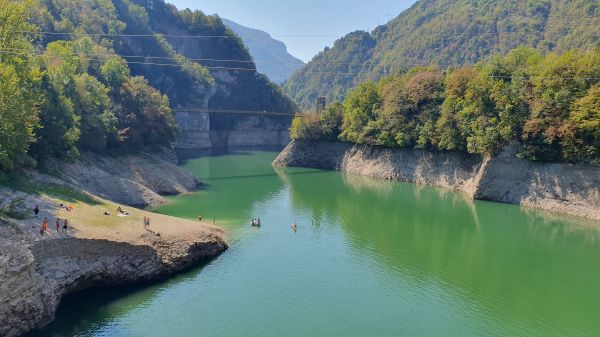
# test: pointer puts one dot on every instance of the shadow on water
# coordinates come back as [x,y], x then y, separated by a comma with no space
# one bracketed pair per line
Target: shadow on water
[231,192]
[186,155]
[262,175]
[81,314]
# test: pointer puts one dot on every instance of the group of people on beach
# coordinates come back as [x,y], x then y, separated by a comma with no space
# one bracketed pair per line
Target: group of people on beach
[61,227]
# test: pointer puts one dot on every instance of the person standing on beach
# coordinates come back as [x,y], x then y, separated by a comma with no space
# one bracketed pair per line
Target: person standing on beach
[65,226]
[58,225]
[44,228]
[36,210]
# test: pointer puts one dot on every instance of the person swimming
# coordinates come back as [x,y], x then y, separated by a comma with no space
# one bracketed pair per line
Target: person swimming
[294,227]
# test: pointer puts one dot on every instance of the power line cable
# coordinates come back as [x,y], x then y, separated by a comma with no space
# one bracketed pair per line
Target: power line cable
[568,23]
[384,72]
[105,57]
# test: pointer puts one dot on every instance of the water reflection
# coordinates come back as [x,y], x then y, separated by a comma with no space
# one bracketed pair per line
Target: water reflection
[251,178]
[529,267]
[371,257]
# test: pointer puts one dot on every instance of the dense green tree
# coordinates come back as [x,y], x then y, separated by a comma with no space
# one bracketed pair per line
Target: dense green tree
[306,126]
[59,132]
[411,107]
[114,72]
[448,127]
[327,126]
[487,119]
[17,119]
[146,118]
[582,142]
[98,123]
[18,84]
[448,33]
[550,104]
[558,82]
[361,111]
[331,121]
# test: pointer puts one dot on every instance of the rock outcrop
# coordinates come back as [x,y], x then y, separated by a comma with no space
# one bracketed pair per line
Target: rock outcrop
[36,275]
[134,180]
[563,188]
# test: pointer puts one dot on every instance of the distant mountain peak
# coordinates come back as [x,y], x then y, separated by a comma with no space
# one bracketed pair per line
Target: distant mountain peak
[270,55]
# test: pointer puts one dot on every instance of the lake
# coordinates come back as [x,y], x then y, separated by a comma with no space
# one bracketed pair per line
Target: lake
[370,258]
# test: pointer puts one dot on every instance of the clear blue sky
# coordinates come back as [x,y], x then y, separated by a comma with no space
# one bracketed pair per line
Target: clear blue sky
[303,17]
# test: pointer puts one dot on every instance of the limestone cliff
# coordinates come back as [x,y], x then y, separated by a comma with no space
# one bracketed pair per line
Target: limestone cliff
[36,275]
[568,189]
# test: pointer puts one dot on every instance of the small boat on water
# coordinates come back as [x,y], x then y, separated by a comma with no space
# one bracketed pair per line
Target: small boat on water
[256,222]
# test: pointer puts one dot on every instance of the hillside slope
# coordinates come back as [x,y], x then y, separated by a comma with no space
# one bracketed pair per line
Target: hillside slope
[271,55]
[446,32]
[180,52]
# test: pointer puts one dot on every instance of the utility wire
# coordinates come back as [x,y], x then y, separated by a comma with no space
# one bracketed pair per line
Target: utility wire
[238,112]
[144,57]
[126,61]
[163,35]
[105,57]
[547,24]
[144,63]
[384,72]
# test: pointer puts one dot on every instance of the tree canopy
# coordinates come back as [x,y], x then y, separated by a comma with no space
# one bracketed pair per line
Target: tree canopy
[549,104]
[446,33]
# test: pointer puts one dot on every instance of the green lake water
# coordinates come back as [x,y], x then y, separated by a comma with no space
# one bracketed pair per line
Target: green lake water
[370,258]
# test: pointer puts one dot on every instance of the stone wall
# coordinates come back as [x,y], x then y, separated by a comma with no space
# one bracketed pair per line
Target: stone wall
[200,131]
[195,130]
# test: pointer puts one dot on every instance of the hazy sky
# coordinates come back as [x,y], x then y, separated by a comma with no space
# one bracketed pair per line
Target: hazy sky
[303,17]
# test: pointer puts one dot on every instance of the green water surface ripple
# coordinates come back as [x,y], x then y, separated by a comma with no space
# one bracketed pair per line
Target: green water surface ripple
[370,258]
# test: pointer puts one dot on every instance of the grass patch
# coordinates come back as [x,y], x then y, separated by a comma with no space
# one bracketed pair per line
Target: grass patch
[67,194]
[20,182]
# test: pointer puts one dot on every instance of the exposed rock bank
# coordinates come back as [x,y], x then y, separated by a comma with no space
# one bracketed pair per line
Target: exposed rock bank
[100,248]
[563,188]
[36,275]
[134,180]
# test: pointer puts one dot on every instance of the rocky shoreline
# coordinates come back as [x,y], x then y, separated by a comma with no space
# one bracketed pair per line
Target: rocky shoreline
[135,180]
[36,274]
[562,188]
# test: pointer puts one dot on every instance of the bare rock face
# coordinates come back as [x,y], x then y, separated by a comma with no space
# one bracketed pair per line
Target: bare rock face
[37,275]
[20,302]
[457,172]
[195,130]
[563,188]
[134,180]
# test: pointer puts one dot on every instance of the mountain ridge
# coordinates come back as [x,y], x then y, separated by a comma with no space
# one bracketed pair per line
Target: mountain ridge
[270,55]
[446,33]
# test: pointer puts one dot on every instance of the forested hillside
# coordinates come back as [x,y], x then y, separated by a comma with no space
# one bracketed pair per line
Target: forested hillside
[183,38]
[550,105]
[446,33]
[271,56]
[103,75]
